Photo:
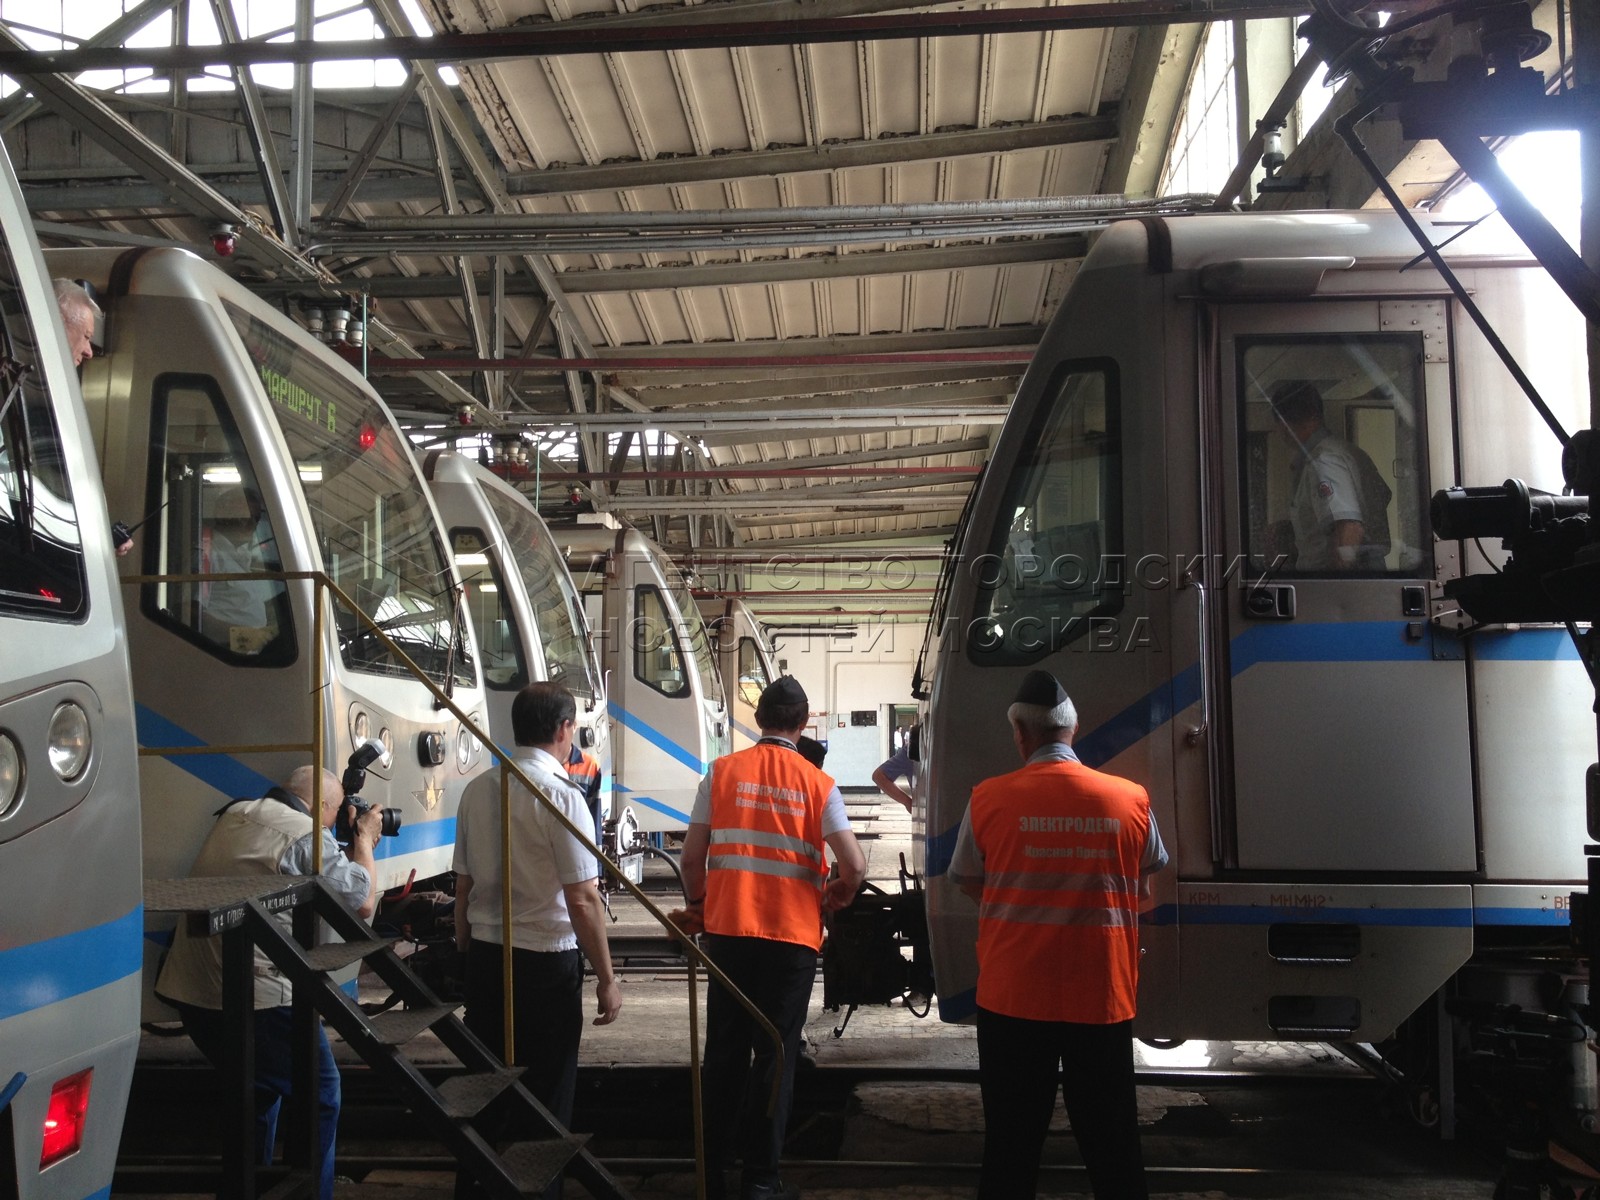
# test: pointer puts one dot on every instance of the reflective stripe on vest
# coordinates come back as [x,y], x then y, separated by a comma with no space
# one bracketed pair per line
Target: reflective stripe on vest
[765,867]
[1058,927]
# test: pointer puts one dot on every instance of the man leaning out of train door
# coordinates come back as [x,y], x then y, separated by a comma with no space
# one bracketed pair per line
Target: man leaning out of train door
[272,836]
[1055,854]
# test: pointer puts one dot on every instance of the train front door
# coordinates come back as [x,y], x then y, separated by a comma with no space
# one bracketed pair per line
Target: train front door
[1343,728]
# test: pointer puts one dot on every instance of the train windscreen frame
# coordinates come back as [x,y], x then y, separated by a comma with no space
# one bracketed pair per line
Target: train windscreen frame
[563,631]
[1045,573]
[42,571]
[376,533]
[699,639]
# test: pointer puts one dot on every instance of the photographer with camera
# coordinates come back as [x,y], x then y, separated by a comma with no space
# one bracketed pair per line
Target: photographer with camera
[272,836]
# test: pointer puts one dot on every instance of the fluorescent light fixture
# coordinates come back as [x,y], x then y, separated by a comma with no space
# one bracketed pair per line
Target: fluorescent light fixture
[220,475]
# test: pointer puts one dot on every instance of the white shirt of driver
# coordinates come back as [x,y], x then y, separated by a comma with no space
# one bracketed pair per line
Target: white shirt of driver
[544,855]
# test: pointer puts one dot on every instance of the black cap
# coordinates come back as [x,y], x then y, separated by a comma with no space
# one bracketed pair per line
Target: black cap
[1041,688]
[785,689]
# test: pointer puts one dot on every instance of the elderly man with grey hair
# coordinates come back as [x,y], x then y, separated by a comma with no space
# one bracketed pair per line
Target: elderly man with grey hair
[78,314]
[274,835]
[1056,854]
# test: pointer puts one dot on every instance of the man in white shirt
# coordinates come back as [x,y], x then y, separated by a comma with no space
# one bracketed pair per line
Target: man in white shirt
[555,905]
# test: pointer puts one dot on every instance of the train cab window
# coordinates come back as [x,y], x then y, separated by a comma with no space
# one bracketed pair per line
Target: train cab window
[557,609]
[211,520]
[505,666]
[41,550]
[1332,454]
[753,678]
[1043,577]
[369,513]
[657,658]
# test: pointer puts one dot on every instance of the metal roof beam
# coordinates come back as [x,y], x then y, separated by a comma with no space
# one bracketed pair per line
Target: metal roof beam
[832,156]
[778,424]
[846,347]
[655,391]
[979,392]
[555,39]
[887,454]
[815,268]
[841,539]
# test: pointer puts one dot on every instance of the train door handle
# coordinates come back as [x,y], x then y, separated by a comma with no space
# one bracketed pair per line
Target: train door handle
[1270,602]
[1197,733]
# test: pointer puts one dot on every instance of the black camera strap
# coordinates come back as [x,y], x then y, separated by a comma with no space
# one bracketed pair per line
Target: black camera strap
[273,793]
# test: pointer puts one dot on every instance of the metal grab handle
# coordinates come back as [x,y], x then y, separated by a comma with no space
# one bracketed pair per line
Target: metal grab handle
[1202,607]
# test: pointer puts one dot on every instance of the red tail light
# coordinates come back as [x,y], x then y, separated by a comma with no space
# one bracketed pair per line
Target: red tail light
[368,437]
[64,1120]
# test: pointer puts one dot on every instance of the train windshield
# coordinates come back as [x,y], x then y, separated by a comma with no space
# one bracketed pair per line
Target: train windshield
[753,675]
[554,600]
[694,628]
[1333,469]
[41,552]
[1042,574]
[500,649]
[372,520]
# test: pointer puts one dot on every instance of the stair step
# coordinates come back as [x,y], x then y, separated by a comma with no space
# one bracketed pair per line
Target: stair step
[532,1165]
[398,1026]
[467,1095]
[330,956]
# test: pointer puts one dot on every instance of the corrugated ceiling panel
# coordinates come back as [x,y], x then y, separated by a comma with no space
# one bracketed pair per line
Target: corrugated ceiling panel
[833,91]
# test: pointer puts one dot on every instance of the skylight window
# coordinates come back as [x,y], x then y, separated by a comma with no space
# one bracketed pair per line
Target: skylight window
[68,24]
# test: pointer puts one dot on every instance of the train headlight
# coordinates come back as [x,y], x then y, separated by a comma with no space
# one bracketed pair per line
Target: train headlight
[466,747]
[361,728]
[386,736]
[69,741]
[10,772]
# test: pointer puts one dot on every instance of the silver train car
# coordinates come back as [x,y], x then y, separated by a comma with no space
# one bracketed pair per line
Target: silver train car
[70,883]
[525,608]
[745,660]
[1367,805]
[238,443]
[663,688]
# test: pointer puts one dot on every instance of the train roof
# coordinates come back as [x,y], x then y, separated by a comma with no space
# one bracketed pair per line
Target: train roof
[1372,238]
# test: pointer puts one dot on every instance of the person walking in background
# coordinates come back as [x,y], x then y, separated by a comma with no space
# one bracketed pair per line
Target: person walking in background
[902,764]
[756,874]
[1056,854]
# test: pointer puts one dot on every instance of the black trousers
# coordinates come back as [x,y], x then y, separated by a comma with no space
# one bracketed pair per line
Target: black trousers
[547,991]
[736,1079]
[1019,1065]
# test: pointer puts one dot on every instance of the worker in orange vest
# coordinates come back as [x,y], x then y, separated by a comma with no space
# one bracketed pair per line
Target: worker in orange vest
[755,867]
[1056,855]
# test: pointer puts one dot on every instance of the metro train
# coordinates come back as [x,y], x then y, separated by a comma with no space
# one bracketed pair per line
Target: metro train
[744,657]
[663,686]
[233,441]
[1374,807]
[70,882]
[525,608]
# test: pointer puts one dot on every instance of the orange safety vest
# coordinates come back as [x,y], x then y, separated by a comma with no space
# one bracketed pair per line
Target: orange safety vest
[1058,927]
[767,863]
[584,772]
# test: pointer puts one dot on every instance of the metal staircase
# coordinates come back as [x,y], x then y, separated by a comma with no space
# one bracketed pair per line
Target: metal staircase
[472,1114]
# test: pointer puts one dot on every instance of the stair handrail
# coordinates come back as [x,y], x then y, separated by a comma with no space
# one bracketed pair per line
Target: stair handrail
[696,956]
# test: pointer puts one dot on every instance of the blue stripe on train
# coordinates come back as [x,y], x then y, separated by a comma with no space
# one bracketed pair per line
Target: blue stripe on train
[43,973]
[220,771]
[1343,641]
[660,740]
[233,779]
